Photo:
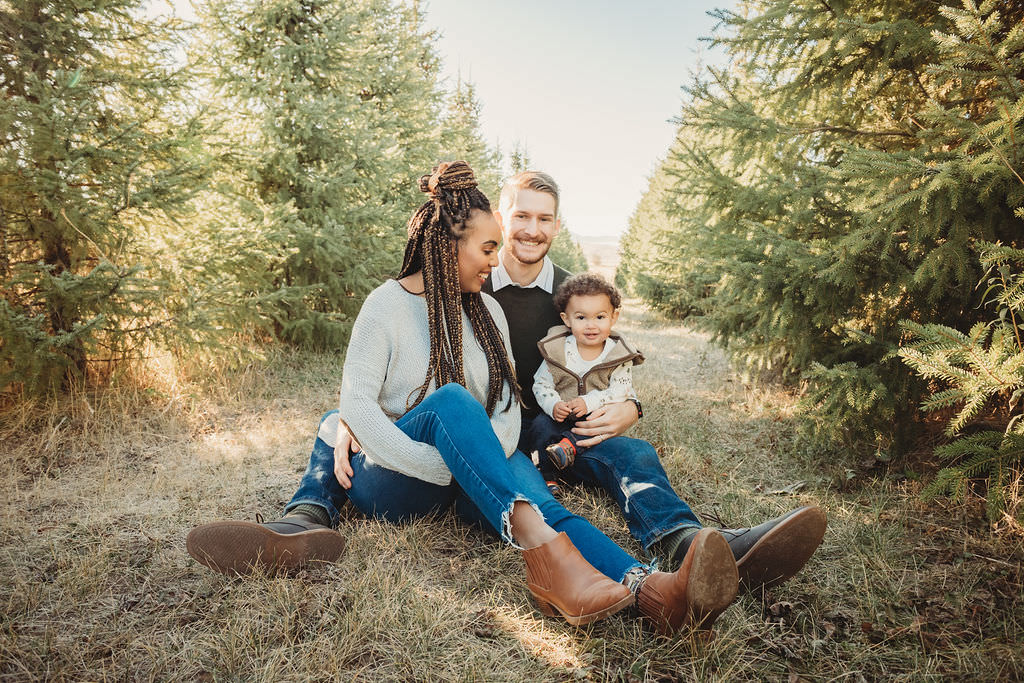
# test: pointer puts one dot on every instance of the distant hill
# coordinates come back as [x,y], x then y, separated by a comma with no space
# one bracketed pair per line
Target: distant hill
[602,252]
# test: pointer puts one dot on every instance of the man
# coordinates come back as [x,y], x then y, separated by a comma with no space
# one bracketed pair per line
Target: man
[626,468]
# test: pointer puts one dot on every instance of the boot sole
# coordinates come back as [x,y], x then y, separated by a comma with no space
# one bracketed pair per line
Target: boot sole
[239,548]
[548,609]
[702,588]
[783,551]
[713,578]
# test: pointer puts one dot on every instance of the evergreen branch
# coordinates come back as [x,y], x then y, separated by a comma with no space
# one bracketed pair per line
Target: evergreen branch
[948,480]
[943,399]
[87,238]
[982,442]
[1013,314]
[996,149]
[853,131]
[977,362]
[967,412]
[920,86]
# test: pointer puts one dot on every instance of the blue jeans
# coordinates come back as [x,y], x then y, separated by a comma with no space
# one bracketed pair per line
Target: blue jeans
[486,483]
[542,431]
[629,470]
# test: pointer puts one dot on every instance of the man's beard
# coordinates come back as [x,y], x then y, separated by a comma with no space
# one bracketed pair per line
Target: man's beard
[516,254]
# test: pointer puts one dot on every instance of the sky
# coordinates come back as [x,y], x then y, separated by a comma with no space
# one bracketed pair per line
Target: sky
[587,86]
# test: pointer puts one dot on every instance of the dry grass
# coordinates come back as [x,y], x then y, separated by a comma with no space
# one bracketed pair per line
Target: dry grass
[102,489]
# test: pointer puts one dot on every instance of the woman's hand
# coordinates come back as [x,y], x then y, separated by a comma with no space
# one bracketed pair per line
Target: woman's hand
[606,422]
[346,445]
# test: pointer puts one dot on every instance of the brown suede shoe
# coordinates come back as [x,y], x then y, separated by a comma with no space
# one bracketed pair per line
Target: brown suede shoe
[559,578]
[237,548]
[695,594]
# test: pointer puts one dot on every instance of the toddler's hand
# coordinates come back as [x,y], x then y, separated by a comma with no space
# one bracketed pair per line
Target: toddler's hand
[561,411]
[578,406]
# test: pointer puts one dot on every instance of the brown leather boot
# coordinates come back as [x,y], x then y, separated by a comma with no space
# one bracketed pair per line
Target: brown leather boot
[695,594]
[237,548]
[561,579]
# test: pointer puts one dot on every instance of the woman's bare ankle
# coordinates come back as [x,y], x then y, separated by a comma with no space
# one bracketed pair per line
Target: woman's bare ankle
[528,528]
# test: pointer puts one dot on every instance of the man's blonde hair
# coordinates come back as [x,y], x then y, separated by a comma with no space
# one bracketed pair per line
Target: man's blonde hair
[527,180]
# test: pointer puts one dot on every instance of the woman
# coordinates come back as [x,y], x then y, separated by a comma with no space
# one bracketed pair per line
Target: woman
[430,398]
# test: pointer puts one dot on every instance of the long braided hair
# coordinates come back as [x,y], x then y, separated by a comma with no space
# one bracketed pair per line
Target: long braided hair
[434,234]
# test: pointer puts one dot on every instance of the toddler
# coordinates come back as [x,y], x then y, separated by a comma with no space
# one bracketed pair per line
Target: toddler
[586,365]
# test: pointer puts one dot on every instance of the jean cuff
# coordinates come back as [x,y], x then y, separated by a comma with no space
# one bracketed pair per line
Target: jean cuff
[647,569]
[506,520]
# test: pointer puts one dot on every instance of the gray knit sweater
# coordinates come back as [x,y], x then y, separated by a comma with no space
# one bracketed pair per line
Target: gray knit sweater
[387,361]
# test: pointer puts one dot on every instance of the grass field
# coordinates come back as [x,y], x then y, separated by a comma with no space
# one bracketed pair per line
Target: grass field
[103,488]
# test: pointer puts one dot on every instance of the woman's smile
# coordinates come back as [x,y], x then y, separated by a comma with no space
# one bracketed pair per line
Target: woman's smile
[478,251]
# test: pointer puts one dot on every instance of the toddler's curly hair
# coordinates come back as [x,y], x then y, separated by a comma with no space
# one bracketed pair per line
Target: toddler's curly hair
[586,284]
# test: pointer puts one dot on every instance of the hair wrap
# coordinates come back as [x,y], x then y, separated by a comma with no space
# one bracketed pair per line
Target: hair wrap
[448,177]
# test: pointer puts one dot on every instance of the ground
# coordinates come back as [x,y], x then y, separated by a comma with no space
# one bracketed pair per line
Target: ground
[103,487]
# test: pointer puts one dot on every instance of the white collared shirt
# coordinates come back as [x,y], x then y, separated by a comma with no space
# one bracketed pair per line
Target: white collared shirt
[545,279]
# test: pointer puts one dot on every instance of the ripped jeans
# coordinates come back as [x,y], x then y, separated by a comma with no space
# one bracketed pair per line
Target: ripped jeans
[485,486]
[628,469]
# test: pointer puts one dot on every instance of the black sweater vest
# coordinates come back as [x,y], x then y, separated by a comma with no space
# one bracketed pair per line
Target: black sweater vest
[530,313]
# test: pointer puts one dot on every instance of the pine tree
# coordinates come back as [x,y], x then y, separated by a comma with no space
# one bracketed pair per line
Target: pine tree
[519,157]
[567,252]
[982,373]
[461,138]
[832,181]
[648,267]
[99,156]
[336,109]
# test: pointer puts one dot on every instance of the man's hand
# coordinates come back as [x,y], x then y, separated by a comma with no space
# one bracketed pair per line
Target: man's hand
[561,411]
[346,445]
[606,422]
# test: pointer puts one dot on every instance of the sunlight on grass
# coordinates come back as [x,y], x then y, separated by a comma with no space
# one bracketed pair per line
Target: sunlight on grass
[543,638]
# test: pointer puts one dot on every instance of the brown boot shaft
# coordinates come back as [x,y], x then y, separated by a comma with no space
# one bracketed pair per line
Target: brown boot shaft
[561,579]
